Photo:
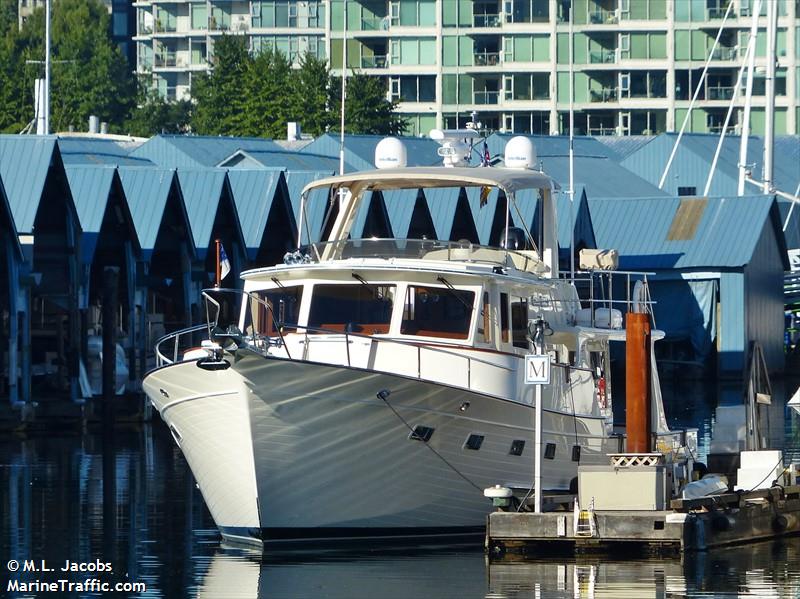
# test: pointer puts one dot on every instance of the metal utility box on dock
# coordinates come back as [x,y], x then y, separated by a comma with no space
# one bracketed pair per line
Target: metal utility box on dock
[627,489]
[690,525]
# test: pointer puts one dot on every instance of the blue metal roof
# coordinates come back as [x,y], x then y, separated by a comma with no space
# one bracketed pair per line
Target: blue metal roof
[359,150]
[316,203]
[400,209]
[692,162]
[483,216]
[442,203]
[147,190]
[24,165]
[83,150]
[201,190]
[253,193]
[622,146]
[197,150]
[7,221]
[726,236]
[281,159]
[553,146]
[90,186]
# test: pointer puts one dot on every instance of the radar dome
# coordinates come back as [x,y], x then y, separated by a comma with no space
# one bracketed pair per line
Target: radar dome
[520,153]
[390,153]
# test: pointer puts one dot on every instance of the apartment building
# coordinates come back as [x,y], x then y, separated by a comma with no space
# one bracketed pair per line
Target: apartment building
[636,63]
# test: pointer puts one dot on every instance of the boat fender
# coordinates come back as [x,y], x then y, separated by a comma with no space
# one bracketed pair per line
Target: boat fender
[780,523]
[602,400]
[721,522]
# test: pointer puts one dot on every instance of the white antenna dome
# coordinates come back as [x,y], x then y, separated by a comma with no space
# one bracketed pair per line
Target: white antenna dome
[390,153]
[520,153]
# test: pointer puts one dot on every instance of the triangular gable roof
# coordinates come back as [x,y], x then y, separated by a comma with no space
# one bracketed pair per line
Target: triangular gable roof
[400,205]
[201,190]
[90,187]
[24,165]
[316,203]
[483,216]
[147,190]
[442,204]
[5,217]
[253,193]
[360,150]
[581,219]
[726,233]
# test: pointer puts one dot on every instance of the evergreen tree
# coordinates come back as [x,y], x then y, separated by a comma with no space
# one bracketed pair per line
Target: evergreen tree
[154,115]
[219,96]
[367,111]
[267,105]
[309,96]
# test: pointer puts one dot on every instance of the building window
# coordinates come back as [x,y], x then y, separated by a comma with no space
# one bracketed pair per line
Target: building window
[687,191]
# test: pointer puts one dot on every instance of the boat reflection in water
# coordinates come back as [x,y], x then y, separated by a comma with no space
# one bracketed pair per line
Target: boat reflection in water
[764,570]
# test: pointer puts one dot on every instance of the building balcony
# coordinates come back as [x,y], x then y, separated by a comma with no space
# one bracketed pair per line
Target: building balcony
[723,53]
[601,130]
[486,59]
[602,56]
[604,17]
[719,92]
[375,23]
[379,61]
[606,94]
[718,13]
[486,20]
[486,97]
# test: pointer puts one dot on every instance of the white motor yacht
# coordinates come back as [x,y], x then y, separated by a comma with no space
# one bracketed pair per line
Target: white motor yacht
[374,387]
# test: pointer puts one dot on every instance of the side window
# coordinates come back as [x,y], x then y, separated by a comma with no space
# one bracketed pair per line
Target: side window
[504,317]
[283,311]
[519,321]
[365,309]
[485,320]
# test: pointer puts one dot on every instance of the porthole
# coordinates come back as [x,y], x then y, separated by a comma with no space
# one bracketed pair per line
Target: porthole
[421,433]
[474,442]
[517,446]
[550,451]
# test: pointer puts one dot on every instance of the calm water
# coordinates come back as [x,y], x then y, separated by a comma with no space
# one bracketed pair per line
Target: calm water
[130,502]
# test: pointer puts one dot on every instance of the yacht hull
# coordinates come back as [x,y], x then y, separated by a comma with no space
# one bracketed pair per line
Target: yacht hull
[290,450]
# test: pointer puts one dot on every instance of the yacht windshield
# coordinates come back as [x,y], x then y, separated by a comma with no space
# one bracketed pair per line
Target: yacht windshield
[437,312]
[360,308]
[284,303]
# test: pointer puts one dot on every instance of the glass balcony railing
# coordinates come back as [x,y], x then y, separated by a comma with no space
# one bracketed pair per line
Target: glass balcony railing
[375,23]
[485,59]
[723,53]
[486,20]
[486,97]
[602,56]
[719,92]
[604,17]
[718,12]
[377,61]
[165,60]
[606,94]
[602,130]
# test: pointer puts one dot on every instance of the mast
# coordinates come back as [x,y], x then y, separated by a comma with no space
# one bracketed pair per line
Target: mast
[571,156]
[344,93]
[46,98]
[751,67]
[769,127]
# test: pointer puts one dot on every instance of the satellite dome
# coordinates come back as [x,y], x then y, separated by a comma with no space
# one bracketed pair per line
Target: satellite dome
[390,153]
[520,153]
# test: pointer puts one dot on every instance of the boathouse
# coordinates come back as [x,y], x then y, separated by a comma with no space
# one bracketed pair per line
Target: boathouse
[108,239]
[44,320]
[719,266]
[168,252]
[10,266]
[197,151]
[212,215]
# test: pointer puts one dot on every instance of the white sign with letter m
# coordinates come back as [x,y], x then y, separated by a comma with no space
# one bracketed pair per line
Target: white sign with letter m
[537,369]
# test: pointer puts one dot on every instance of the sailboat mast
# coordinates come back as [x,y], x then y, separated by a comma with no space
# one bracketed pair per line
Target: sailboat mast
[571,155]
[751,67]
[46,100]
[769,127]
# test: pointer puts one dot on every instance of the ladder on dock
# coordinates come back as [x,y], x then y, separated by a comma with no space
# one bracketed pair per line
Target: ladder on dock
[585,522]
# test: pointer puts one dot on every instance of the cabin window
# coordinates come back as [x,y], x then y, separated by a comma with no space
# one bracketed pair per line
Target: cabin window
[360,308]
[437,312]
[485,321]
[517,446]
[283,311]
[474,442]
[519,321]
[421,433]
[504,316]
[550,451]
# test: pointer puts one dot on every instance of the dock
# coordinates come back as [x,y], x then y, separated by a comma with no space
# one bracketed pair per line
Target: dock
[682,525]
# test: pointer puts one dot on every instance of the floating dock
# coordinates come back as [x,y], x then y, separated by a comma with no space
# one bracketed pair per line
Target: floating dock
[670,526]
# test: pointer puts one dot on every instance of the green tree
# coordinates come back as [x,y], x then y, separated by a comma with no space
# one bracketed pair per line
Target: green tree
[89,74]
[367,111]
[8,16]
[266,95]
[309,95]
[154,115]
[219,95]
